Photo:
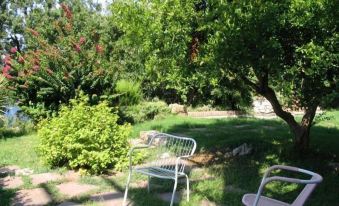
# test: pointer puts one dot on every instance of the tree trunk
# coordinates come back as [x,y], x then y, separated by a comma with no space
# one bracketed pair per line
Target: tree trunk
[301,131]
[301,138]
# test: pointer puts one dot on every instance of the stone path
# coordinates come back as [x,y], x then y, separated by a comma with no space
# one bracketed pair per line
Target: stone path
[74,189]
[44,178]
[37,196]
[70,187]
[11,182]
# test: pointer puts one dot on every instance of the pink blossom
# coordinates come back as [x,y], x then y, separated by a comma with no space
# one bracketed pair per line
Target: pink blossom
[77,47]
[36,68]
[67,11]
[13,50]
[21,60]
[82,40]
[5,71]
[7,59]
[99,49]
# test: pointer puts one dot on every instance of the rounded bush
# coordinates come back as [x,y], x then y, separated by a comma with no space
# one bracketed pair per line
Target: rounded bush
[84,137]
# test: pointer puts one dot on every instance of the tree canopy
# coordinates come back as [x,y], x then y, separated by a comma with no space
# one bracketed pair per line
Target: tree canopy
[286,51]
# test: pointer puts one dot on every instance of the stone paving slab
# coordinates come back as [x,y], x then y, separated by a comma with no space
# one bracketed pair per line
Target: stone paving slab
[11,182]
[44,178]
[73,189]
[109,198]
[35,197]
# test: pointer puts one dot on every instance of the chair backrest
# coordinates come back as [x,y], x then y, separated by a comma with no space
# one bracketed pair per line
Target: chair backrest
[167,148]
[305,193]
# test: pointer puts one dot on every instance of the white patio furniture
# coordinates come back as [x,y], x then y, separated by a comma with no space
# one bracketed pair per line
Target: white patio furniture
[259,200]
[168,154]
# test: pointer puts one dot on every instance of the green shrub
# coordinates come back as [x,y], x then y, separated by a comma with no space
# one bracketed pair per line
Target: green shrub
[84,137]
[130,92]
[144,111]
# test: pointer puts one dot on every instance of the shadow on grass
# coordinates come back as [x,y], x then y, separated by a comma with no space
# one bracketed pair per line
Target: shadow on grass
[6,196]
[273,144]
[6,133]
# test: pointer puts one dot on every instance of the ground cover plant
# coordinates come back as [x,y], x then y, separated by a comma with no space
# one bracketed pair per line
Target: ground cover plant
[227,178]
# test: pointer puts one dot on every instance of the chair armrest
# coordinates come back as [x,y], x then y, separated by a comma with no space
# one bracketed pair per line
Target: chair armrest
[316,178]
[137,147]
[292,180]
[293,169]
[131,151]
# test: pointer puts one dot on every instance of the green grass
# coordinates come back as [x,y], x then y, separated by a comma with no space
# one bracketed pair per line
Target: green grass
[21,151]
[230,177]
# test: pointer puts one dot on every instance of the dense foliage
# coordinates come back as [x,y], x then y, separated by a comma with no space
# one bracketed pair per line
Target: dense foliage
[146,110]
[193,52]
[162,41]
[84,137]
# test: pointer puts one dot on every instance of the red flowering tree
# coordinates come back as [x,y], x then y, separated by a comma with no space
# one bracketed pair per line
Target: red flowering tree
[65,52]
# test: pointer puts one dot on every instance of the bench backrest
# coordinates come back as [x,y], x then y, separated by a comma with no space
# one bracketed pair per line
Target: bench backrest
[167,148]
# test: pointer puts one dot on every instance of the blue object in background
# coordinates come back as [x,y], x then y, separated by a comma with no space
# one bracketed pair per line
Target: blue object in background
[11,114]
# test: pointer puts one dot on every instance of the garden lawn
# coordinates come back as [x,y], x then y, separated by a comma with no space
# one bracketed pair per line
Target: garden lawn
[228,178]
[20,151]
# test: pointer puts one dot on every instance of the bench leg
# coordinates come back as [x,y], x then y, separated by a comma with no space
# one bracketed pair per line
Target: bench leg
[188,188]
[174,189]
[127,185]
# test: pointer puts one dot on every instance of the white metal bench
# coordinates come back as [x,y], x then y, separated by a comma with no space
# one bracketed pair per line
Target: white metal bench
[168,153]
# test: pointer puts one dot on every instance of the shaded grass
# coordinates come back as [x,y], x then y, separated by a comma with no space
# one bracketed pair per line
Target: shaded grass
[231,177]
[273,144]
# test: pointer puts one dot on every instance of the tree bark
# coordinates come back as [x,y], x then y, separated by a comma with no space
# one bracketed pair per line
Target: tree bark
[300,131]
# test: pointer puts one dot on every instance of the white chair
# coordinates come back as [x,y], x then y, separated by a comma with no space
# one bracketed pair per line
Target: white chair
[258,200]
[169,153]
